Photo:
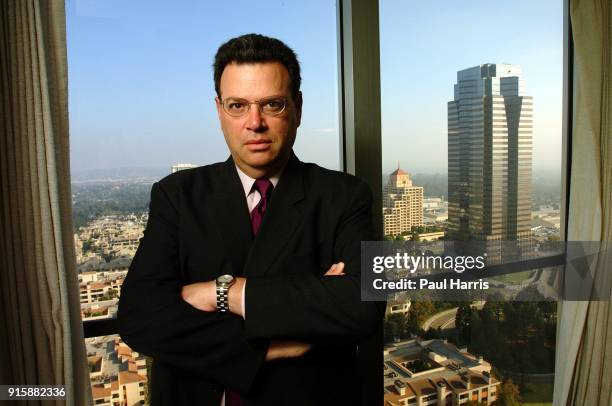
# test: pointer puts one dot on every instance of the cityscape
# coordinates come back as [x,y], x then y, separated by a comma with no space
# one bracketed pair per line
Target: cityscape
[433,352]
[490,200]
[471,150]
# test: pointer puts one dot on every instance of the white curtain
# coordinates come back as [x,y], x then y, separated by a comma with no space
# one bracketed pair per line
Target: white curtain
[41,334]
[583,369]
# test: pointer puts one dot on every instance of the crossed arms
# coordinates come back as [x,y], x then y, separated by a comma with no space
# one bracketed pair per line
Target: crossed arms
[202,296]
[156,319]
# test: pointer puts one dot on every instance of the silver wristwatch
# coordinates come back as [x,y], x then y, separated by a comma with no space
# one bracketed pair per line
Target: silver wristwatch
[224,282]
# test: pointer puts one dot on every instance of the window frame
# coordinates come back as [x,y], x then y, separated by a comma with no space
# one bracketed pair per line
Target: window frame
[360,137]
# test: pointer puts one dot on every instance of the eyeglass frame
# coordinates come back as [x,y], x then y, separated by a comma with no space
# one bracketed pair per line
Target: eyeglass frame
[285,100]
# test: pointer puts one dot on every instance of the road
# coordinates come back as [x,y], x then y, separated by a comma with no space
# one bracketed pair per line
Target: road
[443,320]
[446,320]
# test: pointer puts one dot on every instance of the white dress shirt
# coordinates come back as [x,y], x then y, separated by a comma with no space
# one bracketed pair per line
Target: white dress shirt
[252,195]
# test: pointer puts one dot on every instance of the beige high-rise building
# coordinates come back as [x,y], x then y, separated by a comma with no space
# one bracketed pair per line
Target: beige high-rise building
[402,204]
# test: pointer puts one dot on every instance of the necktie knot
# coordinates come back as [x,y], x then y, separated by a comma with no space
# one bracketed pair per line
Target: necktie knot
[264,187]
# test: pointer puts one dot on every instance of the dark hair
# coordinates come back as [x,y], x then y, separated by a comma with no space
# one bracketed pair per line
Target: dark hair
[256,48]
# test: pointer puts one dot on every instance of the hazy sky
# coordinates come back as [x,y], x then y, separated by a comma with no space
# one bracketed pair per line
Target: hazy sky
[141,82]
[425,43]
[141,89]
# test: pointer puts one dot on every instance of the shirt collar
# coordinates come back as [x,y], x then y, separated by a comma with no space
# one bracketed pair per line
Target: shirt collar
[247,181]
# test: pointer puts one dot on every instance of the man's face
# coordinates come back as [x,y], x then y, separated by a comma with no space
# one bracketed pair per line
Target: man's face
[260,144]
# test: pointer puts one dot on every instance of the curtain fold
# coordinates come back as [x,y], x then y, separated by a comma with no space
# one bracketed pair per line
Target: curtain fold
[41,322]
[583,369]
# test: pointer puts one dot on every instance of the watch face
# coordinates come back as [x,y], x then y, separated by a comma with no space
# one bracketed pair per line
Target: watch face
[225,278]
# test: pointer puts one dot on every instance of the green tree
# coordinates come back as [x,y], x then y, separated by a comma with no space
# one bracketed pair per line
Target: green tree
[491,312]
[479,343]
[463,320]
[419,365]
[149,364]
[412,321]
[508,394]
[395,326]
[111,294]
[422,310]
[432,333]
[548,309]
[86,245]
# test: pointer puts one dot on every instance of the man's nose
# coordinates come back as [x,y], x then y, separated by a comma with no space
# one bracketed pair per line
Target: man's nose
[255,120]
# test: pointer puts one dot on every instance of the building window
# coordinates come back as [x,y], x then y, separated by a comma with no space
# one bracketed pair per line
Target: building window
[473,119]
[149,75]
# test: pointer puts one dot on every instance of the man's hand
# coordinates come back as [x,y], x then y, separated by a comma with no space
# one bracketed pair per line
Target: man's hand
[336,270]
[293,349]
[286,349]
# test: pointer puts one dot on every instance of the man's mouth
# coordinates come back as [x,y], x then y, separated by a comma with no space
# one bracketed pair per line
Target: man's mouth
[258,145]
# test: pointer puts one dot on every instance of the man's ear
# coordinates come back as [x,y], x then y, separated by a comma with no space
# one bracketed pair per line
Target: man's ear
[219,107]
[298,108]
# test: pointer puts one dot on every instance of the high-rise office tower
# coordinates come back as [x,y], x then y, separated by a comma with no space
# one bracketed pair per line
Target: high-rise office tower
[490,130]
[402,204]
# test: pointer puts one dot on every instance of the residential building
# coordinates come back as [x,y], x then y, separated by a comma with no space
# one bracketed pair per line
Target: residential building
[118,378]
[111,236]
[402,204]
[432,236]
[93,292]
[435,372]
[395,306]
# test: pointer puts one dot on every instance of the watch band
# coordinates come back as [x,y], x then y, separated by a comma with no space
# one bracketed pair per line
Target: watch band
[223,284]
[222,299]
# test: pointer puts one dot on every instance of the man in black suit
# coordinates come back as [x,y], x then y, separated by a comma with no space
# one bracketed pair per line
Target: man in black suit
[245,288]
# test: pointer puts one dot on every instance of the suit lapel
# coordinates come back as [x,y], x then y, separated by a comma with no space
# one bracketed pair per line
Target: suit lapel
[231,215]
[280,221]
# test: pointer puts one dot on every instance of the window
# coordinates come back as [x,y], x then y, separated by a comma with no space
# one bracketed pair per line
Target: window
[116,159]
[142,106]
[472,113]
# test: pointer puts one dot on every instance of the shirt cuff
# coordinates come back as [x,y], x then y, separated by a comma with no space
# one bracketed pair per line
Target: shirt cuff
[242,301]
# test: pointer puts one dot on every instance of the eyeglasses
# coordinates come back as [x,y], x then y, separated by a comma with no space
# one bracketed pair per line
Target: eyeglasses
[270,106]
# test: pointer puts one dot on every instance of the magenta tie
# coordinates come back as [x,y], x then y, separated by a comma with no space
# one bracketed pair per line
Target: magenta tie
[264,187]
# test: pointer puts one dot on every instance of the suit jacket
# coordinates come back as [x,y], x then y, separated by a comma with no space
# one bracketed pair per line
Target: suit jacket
[199,228]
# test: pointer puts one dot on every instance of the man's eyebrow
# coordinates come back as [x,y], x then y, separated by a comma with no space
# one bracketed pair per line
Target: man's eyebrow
[261,98]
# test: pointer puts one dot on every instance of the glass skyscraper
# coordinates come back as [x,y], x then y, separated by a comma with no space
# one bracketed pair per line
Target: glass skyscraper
[490,131]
